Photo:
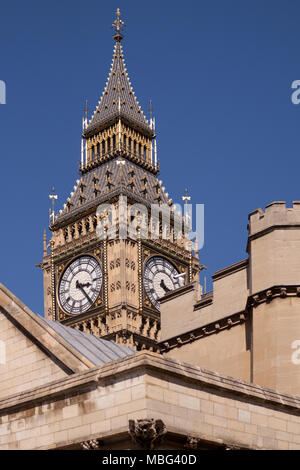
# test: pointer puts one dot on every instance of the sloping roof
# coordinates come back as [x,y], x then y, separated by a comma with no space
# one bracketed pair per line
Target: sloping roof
[74,351]
[118,99]
[97,350]
[83,196]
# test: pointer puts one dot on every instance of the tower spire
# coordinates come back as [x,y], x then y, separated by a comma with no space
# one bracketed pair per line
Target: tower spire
[118,25]
[118,100]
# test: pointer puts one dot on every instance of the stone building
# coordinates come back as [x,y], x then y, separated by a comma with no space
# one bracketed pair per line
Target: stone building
[131,354]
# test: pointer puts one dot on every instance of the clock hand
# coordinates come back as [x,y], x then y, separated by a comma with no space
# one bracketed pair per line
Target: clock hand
[80,286]
[87,284]
[163,286]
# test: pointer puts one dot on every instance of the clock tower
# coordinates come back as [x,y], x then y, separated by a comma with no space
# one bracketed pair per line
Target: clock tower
[96,279]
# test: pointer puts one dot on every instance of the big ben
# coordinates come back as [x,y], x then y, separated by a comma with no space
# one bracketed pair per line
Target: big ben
[107,285]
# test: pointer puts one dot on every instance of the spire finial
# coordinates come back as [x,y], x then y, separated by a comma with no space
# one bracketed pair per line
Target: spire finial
[186,198]
[53,198]
[150,109]
[118,25]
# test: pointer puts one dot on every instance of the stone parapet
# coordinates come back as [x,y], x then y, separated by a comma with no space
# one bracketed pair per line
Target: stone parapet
[276,214]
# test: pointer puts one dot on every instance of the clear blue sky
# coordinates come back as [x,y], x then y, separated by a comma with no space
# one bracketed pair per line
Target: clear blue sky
[219,74]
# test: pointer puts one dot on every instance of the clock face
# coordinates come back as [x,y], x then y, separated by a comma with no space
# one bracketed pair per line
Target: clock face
[160,277]
[80,285]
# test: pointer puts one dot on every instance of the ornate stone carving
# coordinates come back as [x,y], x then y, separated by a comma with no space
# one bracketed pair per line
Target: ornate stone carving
[269,294]
[273,292]
[283,292]
[192,442]
[94,444]
[147,432]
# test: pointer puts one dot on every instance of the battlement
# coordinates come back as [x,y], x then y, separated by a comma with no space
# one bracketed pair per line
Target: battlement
[276,214]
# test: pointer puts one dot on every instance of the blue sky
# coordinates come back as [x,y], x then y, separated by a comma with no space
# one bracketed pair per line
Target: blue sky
[219,74]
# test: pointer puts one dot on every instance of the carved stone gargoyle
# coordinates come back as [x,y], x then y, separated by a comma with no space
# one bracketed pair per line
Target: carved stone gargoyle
[147,432]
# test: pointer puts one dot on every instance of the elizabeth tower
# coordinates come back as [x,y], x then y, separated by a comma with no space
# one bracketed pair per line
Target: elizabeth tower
[108,285]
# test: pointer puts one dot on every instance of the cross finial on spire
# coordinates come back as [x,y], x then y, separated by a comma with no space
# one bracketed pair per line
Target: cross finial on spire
[118,25]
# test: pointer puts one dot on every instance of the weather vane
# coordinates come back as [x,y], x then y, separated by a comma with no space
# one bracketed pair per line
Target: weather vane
[118,25]
[53,198]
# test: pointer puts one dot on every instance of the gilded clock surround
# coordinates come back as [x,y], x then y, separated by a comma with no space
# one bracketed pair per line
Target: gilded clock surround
[61,269]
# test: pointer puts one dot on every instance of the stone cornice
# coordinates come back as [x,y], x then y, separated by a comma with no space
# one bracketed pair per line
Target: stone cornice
[265,231]
[203,331]
[143,363]
[267,295]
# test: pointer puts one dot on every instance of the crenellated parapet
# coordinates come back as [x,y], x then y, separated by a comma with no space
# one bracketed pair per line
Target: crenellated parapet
[275,215]
[274,246]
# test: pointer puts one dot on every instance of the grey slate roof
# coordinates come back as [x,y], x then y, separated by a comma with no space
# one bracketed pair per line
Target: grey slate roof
[154,190]
[97,350]
[117,99]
